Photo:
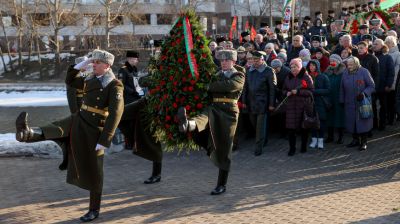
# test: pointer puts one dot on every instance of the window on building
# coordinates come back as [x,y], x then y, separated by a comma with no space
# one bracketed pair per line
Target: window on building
[164,19]
[41,19]
[119,20]
[140,19]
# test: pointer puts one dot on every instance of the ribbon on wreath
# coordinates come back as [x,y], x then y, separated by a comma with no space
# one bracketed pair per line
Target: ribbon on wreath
[189,46]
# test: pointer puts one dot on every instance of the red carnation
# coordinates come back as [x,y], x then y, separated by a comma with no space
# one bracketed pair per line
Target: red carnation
[199,106]
[204,55]
[167,118]
[175,105]
[196,97]
[175,83]
[185,89]
[162,83]
[171,78]
[190,88]
[201,46]
[180,60]
[304,84]
[192,82]
[170,136]
[184,79]
[187,107]
[167,126]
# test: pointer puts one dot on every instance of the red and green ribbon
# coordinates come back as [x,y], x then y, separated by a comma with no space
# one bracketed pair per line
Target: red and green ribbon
[189,46]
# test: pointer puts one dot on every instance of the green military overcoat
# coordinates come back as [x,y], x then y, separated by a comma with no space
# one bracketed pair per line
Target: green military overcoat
[87,129]
[219,120]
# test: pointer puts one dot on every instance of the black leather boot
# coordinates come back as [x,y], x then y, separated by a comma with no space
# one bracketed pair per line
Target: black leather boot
[90,216]
[355,142]
[156,174]
[258,151]
[329,139]
[292,144]
[221,185]
[364,142]
[24,133]
[304,141]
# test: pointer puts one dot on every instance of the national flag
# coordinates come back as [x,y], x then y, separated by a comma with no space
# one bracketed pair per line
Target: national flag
[233,27]
[253,33]
[386,4]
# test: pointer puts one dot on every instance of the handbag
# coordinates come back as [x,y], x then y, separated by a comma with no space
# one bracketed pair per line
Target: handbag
[365,107]
[311,120]
[328,105]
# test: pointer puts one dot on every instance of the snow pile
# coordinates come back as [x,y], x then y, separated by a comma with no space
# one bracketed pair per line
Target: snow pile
[49,56]
[33,98]
[45,149]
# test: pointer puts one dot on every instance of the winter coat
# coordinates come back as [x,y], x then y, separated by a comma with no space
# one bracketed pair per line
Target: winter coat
[353,84]
[324,62]
[259,90]
[371,63]
[126,75]
[338,50]
[281,77]
[395,54]
[219,120]
[74,96]
[296,104]
[293,52]
[268,59]
[386,72]
[321,92]
[336,114]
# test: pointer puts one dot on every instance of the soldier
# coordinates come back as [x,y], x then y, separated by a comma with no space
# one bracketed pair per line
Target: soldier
[217,123]
[376,29]
[90,130]
[128,75]
[358,8]
[259,98]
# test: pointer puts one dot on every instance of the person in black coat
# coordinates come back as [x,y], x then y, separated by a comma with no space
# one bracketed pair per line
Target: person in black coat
[295,48]
[371,63]
[128,75]
[385,79]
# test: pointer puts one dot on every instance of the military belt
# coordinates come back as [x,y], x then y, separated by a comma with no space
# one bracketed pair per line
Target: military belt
[224,100]
[103,112]
[79,92]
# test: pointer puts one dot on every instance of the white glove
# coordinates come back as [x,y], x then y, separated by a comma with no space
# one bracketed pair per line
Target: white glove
[83,64]
[99,147]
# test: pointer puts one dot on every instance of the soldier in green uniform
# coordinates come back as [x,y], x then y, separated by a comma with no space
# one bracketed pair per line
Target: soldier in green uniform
[90,130]
[218,121]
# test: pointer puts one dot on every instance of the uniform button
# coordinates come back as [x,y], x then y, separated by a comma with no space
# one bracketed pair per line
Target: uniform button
[98,98]
[101,90]
[80,109]
[93,114]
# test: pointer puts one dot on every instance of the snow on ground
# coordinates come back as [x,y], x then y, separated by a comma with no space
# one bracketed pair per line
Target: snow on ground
[33,98]
[45,149]
[15,57]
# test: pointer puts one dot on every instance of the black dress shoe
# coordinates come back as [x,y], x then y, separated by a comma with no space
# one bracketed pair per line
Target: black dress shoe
[354,143]
[90,216]
[258,152]
[152,180]
[218,190]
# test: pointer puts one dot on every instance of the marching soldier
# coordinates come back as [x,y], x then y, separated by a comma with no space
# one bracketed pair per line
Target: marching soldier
[90,130]
[218,121]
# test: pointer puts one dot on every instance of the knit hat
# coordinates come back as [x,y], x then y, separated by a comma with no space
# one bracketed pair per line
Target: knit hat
[297,61]
[335,57]
[103,56]
[276,63]
[282,56]
[304,53]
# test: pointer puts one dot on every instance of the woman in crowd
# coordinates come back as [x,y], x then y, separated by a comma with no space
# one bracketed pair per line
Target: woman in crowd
[298,88]
[305,56]
[391,42]
[345,54]
[336,112]
[321,103]
[357,84]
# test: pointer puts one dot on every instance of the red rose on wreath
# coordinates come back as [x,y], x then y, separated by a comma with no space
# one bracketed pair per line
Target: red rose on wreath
[192,82]
[174,105]
[204,55]
[196,97]
[171,78]
[304,84]
[199,106]
[190,88]
[185,89]
[167,126]
[187,107]
[167,118]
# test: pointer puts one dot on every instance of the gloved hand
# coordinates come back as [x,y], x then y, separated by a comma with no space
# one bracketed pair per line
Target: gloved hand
[83,64]
[99,147]
[360,96]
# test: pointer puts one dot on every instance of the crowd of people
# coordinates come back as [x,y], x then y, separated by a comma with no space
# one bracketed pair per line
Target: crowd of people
[321,69]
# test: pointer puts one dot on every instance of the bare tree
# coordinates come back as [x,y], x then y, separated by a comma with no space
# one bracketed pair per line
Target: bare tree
[58,13]
[18,9]
[7,43]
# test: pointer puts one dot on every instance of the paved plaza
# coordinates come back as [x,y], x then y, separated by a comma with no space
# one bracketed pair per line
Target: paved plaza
[336,185]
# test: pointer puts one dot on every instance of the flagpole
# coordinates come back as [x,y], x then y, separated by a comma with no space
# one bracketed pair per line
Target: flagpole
[293,15]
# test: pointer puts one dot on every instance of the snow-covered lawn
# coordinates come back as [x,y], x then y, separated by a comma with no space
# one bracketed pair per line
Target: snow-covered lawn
[33,98]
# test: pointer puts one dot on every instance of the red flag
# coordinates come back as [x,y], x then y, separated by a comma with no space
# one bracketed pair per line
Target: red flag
[247,26]
[253,33]
[233,27]
[240,37]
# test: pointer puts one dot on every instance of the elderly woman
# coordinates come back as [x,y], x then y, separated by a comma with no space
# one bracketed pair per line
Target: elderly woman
[357,84]
[336,113]
[345,54]
[270,53]
[391,42]
[298,88]
[305,56]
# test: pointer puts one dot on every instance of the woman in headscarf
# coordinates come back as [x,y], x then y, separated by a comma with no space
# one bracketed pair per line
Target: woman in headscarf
[357,84]
[298,88]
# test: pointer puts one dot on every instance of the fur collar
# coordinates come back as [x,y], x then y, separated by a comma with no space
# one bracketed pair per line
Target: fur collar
[105,80]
